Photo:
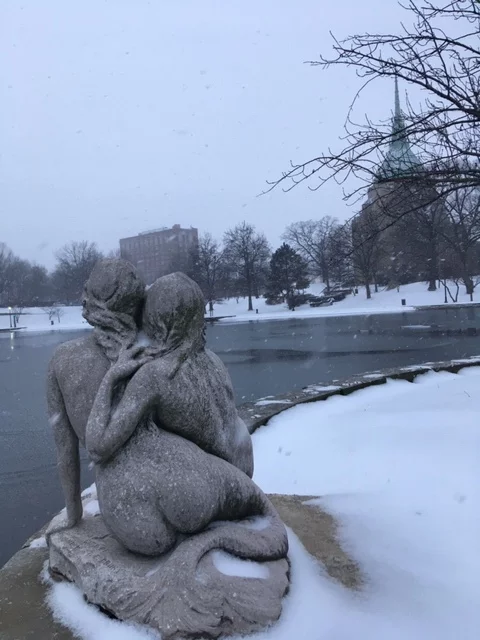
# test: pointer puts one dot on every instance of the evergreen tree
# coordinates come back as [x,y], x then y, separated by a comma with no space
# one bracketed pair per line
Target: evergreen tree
[288,273]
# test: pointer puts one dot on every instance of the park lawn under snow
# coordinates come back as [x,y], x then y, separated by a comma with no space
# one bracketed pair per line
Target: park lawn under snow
[398,467]
[36,319]
[416,294]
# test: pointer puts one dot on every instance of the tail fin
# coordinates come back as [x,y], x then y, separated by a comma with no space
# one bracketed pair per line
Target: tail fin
[195,596]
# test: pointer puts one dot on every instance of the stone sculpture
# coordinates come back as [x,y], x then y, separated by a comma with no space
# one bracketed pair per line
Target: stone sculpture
[173,464]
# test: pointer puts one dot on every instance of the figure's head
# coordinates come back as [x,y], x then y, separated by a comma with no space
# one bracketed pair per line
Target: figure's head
[115,285]
[112,301]
[174,314]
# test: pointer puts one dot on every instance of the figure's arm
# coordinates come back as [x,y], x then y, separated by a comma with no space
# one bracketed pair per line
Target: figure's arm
[242,450]
[108,430]
[67,446]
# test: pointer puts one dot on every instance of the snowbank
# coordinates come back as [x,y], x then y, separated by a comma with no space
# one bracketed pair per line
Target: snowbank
[415,295]
[398,467]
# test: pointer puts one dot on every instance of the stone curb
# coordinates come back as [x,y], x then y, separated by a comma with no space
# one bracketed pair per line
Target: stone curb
[257,415]
[448,305]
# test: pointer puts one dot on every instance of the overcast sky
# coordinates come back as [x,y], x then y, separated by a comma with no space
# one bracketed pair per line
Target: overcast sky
[118,116]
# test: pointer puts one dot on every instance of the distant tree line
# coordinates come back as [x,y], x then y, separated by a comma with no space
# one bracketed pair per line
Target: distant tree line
[243,266]
[26,284]
[402,234]
[437,242]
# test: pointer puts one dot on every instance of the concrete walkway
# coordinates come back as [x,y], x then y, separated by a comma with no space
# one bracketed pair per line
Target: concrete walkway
[23,612]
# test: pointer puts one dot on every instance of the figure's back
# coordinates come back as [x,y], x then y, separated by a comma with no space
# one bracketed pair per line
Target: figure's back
[78,366]
[199,404]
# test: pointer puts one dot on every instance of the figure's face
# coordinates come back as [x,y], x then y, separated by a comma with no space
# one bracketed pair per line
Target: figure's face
[84,305]
[89,303]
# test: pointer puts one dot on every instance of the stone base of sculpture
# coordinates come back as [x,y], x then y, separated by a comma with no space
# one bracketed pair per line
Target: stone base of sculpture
[220,595]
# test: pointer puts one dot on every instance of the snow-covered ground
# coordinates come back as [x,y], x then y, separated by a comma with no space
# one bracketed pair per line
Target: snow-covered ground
[415,294]
[398,467]
[36,319]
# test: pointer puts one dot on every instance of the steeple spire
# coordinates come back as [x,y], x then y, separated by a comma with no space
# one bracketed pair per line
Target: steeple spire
[398,123]
[398,113]
[399,159]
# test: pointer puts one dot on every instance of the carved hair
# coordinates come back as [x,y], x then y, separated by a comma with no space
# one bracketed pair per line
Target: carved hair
[174,318]
[113,298]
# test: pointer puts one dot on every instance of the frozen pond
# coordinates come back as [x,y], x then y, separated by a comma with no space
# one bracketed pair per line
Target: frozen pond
[264,358]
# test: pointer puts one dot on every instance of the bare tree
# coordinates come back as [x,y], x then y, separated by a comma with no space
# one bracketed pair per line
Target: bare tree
[6,258]
[207,270]
[22,283]
[113,253]
[439,55]
[415,240]
[75,262]
[315,241]
[246,254]
[463,232]
[54,311]
[367,250]
[341,264]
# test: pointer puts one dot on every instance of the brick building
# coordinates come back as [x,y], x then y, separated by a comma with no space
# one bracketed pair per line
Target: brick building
[157,253]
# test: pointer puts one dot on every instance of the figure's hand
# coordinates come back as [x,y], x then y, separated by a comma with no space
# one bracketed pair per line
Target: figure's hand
[129,361]
[132,353]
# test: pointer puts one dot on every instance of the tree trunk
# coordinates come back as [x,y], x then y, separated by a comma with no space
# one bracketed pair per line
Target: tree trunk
[376,287]
[468,282]
[367,288]
[433,270]
[250,285]
[326,278]
[210,305]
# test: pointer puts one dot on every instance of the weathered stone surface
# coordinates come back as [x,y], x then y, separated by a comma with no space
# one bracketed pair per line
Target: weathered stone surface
[164,592]
[173,459]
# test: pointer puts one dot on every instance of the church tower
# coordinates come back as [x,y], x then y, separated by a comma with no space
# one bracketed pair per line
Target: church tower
[399,161]
[391,230]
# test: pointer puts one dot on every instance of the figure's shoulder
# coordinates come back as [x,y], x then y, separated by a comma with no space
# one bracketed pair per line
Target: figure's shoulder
[215,360]
[73,349]
[152,376]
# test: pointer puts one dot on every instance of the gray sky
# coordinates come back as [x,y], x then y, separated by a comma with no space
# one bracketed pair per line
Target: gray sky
[118,116]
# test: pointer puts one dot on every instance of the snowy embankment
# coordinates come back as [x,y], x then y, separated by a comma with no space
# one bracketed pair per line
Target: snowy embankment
[397,465]
[415,295]
[36,319]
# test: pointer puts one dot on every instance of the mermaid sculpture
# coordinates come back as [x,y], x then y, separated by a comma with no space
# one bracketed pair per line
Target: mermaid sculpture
[173,465]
